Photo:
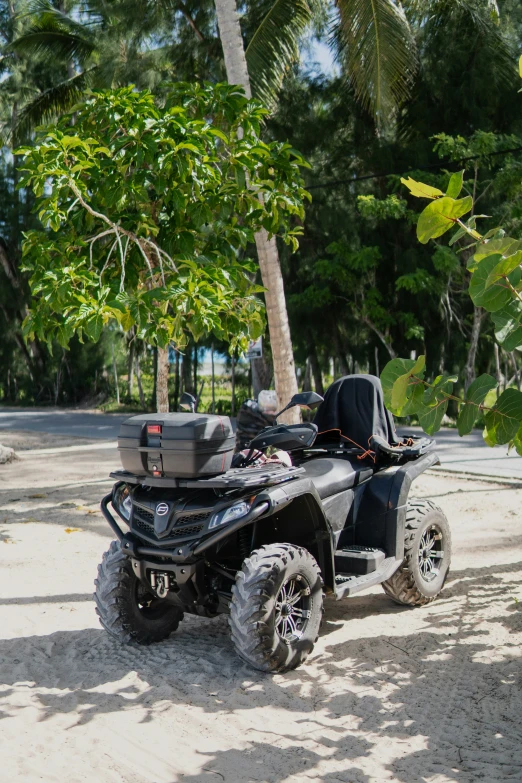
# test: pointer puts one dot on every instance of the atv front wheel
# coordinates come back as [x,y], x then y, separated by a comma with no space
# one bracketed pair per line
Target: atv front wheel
[427,556]
[277,607]
[125,608]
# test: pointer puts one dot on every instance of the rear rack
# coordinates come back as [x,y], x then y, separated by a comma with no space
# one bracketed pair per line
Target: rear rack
[260,476]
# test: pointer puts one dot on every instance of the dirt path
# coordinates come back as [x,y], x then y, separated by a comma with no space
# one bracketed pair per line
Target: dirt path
[390,694]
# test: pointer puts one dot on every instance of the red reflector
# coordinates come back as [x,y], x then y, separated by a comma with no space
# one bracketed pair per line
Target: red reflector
[154,429]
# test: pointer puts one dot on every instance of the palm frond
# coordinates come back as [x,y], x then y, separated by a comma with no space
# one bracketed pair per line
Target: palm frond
[376,47]
[54,101]
[275,46]
[479,19]
[53,34]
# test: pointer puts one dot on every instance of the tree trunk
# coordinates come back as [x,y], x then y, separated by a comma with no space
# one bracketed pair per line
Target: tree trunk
[233,379]
[176,382]
[186,372]
[195,370]
[316,372]
[130,369]
[162,381]
[478,314]
[213,379]
[116,381]
[307,379]
[261,375]
[140,385]
[277,316]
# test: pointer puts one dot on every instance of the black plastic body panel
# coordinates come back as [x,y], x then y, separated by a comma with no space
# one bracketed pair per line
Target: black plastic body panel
[381,515]
[287,437]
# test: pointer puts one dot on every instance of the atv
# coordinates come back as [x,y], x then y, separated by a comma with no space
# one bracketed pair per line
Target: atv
[312,507]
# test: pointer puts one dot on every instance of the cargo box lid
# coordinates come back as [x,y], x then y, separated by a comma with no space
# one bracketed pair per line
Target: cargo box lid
[178,426]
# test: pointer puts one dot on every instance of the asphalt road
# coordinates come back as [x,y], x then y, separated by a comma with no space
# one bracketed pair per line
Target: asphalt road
[62,422]
[463,455]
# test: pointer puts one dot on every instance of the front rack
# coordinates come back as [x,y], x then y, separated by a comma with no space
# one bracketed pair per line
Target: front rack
[258,476]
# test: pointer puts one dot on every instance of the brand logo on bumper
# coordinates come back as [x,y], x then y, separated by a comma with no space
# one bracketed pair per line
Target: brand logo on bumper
[162,509]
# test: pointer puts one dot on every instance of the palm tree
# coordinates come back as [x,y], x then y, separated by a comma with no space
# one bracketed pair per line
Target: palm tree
[374,39]
[103,45]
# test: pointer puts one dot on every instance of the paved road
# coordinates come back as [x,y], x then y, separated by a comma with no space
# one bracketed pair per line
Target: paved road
[62,422]
[471,455]
[463,455]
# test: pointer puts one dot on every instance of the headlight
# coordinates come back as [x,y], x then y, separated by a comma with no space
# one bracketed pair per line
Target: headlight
[123,501]
[229,514]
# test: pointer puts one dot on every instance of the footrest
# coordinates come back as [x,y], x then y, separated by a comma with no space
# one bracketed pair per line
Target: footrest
[358,560]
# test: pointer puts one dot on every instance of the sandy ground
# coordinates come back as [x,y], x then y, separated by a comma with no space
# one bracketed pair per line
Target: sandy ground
[389,694]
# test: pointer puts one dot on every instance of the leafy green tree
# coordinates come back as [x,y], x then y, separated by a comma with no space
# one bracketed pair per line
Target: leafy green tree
[147,215]
[495,265]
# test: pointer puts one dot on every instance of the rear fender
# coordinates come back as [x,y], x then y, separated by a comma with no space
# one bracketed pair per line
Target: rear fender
[381,516]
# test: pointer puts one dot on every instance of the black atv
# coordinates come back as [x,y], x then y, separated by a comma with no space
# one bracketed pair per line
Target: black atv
[261,538]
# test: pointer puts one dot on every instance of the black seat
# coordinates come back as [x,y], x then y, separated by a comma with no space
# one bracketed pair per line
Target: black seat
[331,475]
[353,415]
[354,408]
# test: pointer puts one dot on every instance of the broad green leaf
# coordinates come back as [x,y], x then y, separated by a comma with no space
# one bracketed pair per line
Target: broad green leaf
[127,321]
[504,267]
[503,422]
[497,295]
[395,379]
[475,396]
[431,419]
[420,190]
[505,246]
[414,404]
[508,325]
[441,215]
[93,328]
[455,184]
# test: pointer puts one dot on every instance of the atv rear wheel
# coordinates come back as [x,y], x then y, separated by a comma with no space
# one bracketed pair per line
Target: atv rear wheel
[124,606]
[277,607]
[427,556]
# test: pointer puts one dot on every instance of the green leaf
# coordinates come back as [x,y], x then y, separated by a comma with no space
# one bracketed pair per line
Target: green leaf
[377,48]
[274,47]
[508,325]
[420,190]
[475,396]
[497,295]
[439,389]
[441,215]
[503,422]
[395,379]
[93,328]
[505,246]
[455,184]
[431,419]
[504,267]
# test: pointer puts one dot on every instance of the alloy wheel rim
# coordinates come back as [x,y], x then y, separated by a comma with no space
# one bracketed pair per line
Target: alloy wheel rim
[292,608]
[431,553]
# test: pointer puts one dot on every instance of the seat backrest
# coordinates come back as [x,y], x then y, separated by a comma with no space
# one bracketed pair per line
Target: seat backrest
[354,406]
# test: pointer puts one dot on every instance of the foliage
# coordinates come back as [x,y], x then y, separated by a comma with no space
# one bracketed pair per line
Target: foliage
[495,285]
[147,211]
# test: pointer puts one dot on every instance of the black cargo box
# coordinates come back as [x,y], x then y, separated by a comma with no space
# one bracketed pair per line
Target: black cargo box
[176,445]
